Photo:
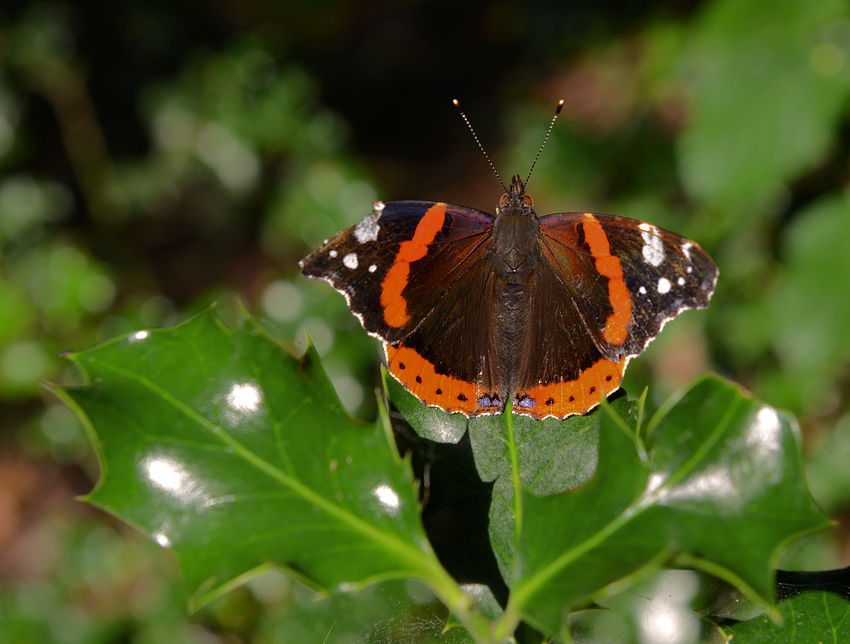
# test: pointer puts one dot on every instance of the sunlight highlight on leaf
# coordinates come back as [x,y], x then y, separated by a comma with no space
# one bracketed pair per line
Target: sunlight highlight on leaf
[219,466]
[387,497]
[245,398]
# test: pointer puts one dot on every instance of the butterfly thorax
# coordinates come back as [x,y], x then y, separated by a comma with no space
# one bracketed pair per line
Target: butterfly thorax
[515,234]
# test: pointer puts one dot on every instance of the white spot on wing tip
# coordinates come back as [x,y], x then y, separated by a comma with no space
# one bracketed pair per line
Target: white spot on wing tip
[653,246]
[373,268]
[333,254]
[350,261]
[664,285]
[368,229]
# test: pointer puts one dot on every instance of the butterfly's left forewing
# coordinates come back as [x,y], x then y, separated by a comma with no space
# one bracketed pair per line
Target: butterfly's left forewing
[664,273]
[623,280]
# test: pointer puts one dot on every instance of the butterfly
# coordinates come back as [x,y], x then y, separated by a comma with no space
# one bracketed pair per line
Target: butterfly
[545,311]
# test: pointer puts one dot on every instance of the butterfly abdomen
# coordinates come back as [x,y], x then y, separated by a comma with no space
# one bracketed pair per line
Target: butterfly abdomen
[515,260]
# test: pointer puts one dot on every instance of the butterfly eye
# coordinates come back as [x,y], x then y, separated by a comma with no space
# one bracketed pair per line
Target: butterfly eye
[503,201]
[528,201]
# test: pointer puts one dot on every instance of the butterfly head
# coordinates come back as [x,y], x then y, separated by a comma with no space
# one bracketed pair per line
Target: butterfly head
[516,199]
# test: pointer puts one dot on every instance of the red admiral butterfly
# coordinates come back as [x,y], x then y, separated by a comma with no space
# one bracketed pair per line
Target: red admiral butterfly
[473,308]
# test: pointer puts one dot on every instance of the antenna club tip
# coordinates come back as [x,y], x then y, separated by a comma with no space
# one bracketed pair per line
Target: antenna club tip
[560,105]
[454,100]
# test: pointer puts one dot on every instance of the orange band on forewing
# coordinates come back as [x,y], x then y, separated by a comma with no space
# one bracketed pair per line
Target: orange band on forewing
[410,252]
[616,327]
[430,224]
[575,397]
[393,303]
[617,324]
[609,266]
[595,236]
[420,378]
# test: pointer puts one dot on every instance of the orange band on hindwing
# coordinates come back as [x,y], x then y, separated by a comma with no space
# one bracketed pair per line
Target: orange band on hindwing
[392,301]
[617,325]
[421,379]
[575,397]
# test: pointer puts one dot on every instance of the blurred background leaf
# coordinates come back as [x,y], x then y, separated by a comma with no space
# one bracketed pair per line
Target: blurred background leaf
[156,157]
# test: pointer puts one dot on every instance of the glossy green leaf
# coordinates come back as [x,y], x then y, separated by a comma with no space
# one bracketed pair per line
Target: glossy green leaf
[235,455]
[514,451]
[384,612]
[720,485]
[808,617]
[542,457]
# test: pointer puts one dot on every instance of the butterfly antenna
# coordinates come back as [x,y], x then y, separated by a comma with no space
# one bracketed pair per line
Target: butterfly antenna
[546,138]
[481,147]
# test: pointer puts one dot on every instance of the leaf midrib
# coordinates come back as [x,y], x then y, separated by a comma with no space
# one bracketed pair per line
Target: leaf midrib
[354,522]
[641,504]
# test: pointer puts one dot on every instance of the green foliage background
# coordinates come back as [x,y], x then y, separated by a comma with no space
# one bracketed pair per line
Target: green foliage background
[157,157]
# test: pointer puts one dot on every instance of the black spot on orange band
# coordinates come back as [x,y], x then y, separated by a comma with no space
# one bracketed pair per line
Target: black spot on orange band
[577,396]
[432,388]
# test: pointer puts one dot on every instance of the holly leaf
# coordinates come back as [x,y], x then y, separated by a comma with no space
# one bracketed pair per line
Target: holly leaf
[543,457]
[719,486]
[516,452]
[235,456]
[807,617]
